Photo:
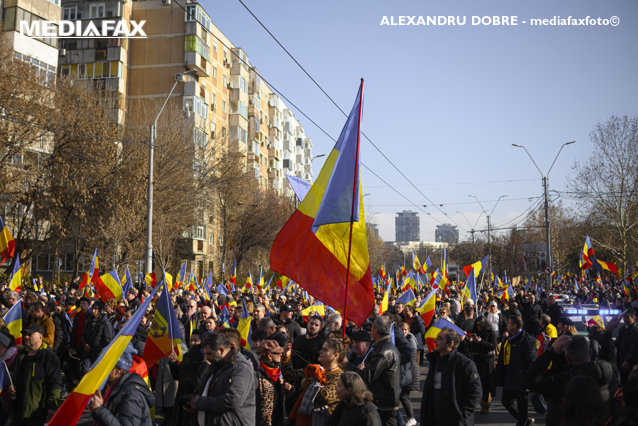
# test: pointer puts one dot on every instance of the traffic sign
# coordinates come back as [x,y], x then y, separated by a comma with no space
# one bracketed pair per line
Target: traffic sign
[548,271]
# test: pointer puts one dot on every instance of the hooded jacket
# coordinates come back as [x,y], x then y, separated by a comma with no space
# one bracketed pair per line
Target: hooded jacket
[128,403]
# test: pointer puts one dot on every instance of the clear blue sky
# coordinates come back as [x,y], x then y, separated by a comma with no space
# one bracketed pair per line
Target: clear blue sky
[445,103]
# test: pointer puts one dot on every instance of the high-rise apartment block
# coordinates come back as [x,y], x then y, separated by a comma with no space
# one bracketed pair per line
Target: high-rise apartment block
[407,226]
[230,106]
[446,233]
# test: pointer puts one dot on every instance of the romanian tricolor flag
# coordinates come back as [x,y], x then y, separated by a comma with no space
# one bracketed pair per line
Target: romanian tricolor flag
[326,236]
[477,266]
[585,262]
[427,308]
[597,320]
[260,282]
[383,307]
[15,282]
[244,327]
[164,336]
[626,289]
[150,280]
[72,408]
[608,266]
[233,274]
[416,264]
[316,309]
[127,283]
[407,298]
[282,281]
[94,269]
[7,243]
[439,325]
[181,276]
[382,272]
[249,281]
[13,320]
[108,286]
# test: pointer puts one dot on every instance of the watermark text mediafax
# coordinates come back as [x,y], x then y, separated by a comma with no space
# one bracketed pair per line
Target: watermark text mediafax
[83,29]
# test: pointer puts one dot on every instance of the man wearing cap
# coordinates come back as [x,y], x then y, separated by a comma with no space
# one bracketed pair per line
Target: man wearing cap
[37,378]
[286,312]
[360,347]
[126,399]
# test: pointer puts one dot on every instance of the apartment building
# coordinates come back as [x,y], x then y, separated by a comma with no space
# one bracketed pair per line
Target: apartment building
[230,106]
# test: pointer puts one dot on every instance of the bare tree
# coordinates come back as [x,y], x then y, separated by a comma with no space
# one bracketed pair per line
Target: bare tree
[607,185]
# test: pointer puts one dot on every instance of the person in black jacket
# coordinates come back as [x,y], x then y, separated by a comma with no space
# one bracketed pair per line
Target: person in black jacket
[129,398]
[98,331]
[452,388]
[37,378]
[417,328]
[480,347]
[381,371]
[355,407]
[627,343]
[552,386]
[517,354]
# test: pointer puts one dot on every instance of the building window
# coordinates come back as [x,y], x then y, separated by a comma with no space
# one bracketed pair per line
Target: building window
[214,72]
[70,13]
[199,233]
[195,44]
[97,10]
[224,106]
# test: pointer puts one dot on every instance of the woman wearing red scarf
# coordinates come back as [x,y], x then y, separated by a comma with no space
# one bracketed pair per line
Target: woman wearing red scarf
[270,393]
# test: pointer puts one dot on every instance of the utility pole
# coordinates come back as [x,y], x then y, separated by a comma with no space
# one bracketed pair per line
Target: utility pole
[548,246]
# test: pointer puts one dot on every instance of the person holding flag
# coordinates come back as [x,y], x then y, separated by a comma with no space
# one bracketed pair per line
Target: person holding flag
[126,399]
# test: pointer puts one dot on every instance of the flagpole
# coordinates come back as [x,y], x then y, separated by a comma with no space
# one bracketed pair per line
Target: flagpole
[354,201]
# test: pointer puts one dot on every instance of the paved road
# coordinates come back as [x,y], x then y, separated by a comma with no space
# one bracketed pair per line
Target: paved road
[498,415]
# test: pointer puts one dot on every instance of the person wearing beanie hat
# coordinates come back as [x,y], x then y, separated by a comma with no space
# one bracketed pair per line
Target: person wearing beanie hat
[127,398]
[98,331]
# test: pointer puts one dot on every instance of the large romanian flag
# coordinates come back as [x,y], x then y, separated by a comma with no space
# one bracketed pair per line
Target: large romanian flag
[313,248]
[13,320]
[72,408]
[7,243]
[164,336]
[439,325]
[108,286]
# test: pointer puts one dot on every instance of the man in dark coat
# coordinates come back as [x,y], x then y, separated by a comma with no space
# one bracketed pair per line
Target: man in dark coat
[627,343]
[552,386]
[452,388]
[517,354]
[98,331]
[127,398]
[226,393]
[37,378]
[381,371]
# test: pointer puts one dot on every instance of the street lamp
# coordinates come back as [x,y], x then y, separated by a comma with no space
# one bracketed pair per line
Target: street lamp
[472,228]
[179,78]
[310,164]
[545,186]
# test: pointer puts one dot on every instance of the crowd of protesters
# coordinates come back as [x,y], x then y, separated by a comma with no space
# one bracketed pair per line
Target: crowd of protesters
[300,369]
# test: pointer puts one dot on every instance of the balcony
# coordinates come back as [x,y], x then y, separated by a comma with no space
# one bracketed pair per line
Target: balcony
[193,61]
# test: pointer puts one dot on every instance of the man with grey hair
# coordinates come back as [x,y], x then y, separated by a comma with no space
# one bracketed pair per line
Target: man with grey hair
[381,371]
